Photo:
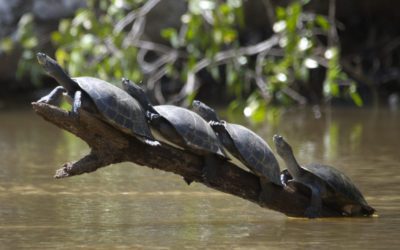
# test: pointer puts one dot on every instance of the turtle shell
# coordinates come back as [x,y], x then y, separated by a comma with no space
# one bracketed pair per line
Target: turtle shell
[341,190]
[116,106]
[194,130]
[254,152]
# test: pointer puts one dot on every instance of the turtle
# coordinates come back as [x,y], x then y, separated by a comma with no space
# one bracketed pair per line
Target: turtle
[102,99]
[325,184]
[182,128]
[244,145]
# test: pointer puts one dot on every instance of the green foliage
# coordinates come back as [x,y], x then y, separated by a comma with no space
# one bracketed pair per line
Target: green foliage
[300,46]
[87,44]
[301,52]
[337,82]
[26,38]
[207,28]
[93,43]
[210,27]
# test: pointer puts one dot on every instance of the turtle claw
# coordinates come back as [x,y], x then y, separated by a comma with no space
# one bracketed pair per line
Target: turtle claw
[152,116]
[54,97]
[285,177]
[215,123]
[45,99]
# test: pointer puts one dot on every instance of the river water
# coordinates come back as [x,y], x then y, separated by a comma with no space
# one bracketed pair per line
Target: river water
[132,207]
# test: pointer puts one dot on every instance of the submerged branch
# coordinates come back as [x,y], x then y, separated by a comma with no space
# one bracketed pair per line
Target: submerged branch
[112,146]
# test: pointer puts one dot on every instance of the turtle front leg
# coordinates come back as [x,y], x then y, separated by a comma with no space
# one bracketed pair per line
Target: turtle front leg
[314,210]
[209,171]
[285,177]
[77,104]
[54,97]
[265,195]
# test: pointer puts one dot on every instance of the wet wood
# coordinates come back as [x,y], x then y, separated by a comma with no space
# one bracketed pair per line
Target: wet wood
[110,146]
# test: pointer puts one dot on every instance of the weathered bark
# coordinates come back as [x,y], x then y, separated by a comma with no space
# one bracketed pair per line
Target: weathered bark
[112,146]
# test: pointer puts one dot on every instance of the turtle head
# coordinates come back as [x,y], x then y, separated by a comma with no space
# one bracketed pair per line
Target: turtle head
[204,111]
[53,69]
[282,147]
[49,64]
[136,92]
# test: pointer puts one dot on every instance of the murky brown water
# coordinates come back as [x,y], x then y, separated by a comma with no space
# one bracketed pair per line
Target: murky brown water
[127,206]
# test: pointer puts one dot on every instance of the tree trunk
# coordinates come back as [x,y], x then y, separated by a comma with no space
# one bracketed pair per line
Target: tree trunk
[109,145]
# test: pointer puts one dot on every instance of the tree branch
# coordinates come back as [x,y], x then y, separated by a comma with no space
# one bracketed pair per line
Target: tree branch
[222,56]
[111,146]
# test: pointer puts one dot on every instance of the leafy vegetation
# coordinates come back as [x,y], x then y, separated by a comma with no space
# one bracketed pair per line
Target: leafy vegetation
[105,40]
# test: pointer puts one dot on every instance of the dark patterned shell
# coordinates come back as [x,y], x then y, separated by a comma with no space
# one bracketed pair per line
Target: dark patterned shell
[195,131]
[337,181]
[255,152]
[116,106]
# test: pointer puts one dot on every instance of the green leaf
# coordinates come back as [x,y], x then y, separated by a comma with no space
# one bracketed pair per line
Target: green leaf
[335,89]
[224,9]
[56,37]
[259,114]
[280,13]
[322,22]
[355,96]
[218,36]
[235,3]
[356,99]
[7,45]
[168,33]
[229,35]
[61,56]
[30,42]
[64,26]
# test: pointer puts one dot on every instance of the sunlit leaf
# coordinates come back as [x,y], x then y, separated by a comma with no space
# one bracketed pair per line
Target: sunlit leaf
[356,99]
[322,22]
[56,37]
[235,3]
[65,104]
[280,13]
[259,114]
[230,35]
[26,20]
[355,96]
[30,42]
[218,36]
[61,56]
[168,33]
[64,26]
[87,41]
[224,9]
[6,45]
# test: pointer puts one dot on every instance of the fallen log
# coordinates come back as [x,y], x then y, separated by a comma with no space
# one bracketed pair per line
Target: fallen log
[109,146]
